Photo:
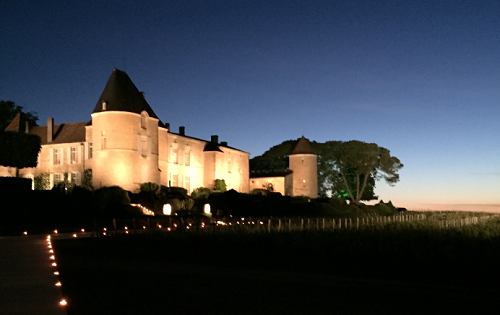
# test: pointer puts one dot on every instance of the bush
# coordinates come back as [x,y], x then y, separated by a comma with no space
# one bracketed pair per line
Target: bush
[220,185]
[111,197]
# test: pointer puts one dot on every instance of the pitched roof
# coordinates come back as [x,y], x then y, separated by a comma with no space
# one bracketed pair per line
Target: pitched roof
[18,124]
[121,94]
[302,147]
[210,146]
[63,133]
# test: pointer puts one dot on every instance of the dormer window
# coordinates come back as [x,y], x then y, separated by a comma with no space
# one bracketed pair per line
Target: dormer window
[144,116]
[103,105]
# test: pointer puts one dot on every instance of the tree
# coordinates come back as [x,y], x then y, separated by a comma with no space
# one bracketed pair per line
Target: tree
[220,185]
[19,150]
[8,111]
[360,161]
[345,184]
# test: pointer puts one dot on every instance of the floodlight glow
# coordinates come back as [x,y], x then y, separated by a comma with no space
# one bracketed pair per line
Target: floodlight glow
[206,208]
[167,209]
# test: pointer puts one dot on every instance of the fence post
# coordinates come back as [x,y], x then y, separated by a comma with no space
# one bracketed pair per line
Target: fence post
[269,225]
[333,223]
[323,223]
[279,225]
[114,226]
[308,223]
[289,224]
[149,225]
[357,223]
[133,225]
[301,224]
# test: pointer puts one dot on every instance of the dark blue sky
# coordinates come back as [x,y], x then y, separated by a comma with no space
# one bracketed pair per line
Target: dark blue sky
[421,78]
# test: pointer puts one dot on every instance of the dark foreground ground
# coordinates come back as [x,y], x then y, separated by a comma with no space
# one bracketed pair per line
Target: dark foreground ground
[141,275]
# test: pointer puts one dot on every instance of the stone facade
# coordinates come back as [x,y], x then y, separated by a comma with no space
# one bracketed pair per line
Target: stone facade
[301,178]
[125,144]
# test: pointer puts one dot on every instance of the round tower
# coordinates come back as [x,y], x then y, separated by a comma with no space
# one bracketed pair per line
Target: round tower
[303,163]
[124,136]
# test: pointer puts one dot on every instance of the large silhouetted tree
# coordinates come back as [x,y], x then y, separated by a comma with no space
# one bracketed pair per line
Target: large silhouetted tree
[19,149]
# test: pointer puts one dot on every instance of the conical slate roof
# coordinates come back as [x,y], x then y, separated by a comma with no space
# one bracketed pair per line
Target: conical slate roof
[121,94]
[302,147]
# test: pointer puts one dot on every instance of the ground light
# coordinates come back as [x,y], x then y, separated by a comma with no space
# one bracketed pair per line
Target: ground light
[167,209]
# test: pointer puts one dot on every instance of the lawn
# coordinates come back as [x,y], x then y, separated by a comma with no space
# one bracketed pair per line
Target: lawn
[402,267]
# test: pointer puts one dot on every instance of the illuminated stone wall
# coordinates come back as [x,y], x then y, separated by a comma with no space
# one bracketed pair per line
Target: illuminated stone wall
[305,174]
[124,153]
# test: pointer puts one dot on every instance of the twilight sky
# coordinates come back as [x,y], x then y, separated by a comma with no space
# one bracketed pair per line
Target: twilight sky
[421,78]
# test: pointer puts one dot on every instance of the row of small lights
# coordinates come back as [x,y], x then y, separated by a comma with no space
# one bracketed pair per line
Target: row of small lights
[145,210]
[63,301]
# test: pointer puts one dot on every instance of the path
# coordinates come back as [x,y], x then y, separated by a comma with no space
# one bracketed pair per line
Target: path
[27,280]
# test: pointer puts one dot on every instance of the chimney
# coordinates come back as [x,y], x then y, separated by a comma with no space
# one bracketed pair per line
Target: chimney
[50,129]
[27,126]
[223,143]
[215,139]
[167,125]
[143,94]
[182,130]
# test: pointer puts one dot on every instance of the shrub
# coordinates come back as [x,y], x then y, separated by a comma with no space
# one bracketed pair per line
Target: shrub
[42,181]
[220,185]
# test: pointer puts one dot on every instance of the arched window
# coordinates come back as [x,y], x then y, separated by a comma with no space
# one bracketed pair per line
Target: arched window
[144,116]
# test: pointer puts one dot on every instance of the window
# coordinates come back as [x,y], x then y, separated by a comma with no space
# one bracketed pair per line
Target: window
[175,180]
[187,183]
[174,155]
[57,157]
[144,147]
[73,155]
[75,178]
[144,117]
[58,178]
[90,150]
[229,166]
[187,158]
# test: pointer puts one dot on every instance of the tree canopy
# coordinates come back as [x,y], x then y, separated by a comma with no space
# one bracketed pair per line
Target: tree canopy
[345,169]
[8,111]
[19,149]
